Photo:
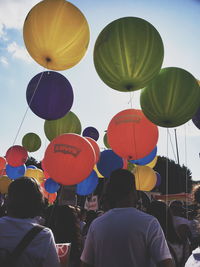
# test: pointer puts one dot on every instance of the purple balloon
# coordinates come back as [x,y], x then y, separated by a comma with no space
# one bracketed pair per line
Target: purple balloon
[49,95]
[158,179]
[196,119]
[91,132]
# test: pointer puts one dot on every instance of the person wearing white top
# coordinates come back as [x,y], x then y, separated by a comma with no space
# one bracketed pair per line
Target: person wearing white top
[124,236]
[24,204]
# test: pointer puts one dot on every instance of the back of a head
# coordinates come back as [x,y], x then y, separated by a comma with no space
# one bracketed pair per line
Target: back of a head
[176,207]
[25,199]
[121,183]
[162,213]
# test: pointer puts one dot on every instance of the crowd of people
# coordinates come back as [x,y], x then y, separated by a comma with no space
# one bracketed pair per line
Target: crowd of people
[118,235]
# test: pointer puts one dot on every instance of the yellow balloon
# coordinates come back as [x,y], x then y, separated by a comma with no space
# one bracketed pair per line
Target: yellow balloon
[4,184]
[145,178]
[98,173]
[35,173]
[152,164]
[56,34]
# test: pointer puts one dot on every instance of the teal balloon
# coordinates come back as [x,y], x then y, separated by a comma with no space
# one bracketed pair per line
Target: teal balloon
[31,142]
[171,98]
[70,123]
[128,54]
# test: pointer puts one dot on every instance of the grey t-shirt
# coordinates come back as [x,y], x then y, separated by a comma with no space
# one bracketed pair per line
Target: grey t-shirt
[125,237]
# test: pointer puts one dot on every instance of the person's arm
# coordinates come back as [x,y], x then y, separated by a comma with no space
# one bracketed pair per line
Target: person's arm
[157,245]
[165,263]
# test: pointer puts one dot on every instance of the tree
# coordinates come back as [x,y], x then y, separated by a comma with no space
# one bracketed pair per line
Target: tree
[33,161]
[179,178]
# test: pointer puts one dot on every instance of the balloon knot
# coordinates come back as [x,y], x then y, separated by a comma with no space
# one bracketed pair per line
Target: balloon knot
[48,59]
[129,87]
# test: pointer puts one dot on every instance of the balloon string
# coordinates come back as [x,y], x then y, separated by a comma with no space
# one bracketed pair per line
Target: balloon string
[131,94]
[167,181]
[28,108]
[186,176]
[172,147]
[131,98]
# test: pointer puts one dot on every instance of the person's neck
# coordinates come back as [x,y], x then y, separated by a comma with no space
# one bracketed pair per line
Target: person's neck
[125,204]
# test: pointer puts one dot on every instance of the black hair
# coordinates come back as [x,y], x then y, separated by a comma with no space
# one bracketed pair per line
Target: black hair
[163,214]
[25,199]
[64,223]
[118,187]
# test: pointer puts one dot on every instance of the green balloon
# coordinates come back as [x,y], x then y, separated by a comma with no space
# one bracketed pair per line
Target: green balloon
[105,140]
[70,123]
[172,98]
[31,142]
[128,53]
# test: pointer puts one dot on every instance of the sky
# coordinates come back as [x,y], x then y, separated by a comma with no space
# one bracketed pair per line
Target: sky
[177,21]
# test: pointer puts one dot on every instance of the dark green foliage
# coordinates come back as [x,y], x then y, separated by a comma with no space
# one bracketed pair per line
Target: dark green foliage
[177,176]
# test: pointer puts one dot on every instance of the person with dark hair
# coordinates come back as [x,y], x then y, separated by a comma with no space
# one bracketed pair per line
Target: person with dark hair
[124,236]
[64,223]
[90,216]
[24,203]
[181,224]
[180,249]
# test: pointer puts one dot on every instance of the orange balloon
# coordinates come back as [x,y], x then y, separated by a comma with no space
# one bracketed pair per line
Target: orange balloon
[131,135]
[51,197]
[69,159]
[2,163]
[95,146]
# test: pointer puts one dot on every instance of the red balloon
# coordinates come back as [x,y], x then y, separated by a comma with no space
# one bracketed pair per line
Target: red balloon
[69,159]
[95,146]
[2,163]
[16,156]
[131,135]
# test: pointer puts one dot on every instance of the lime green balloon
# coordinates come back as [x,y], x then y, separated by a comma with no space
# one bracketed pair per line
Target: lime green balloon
[128,53]
[70,123]
[31,142]
[105,140]
[172,98]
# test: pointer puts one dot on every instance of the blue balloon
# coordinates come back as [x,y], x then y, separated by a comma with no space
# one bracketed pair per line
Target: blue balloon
[147,159]
[87,186]
[51,186]
[108,162]
[15,172]
[31,167]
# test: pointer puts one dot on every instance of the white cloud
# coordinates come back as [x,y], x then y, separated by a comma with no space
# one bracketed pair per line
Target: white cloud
[4,61]
[13,13]
[19,52]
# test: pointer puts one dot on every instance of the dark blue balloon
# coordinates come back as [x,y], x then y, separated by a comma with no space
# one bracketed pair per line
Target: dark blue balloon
[31,167]
[49,95]
[15,172]
[51,186]
[196,119]
[91,132]
[108,162]
[147,159]
[87,186]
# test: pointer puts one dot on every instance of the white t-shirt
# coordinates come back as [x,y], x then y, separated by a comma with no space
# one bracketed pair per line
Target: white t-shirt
[125,237]
[41,252]
[194,259]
